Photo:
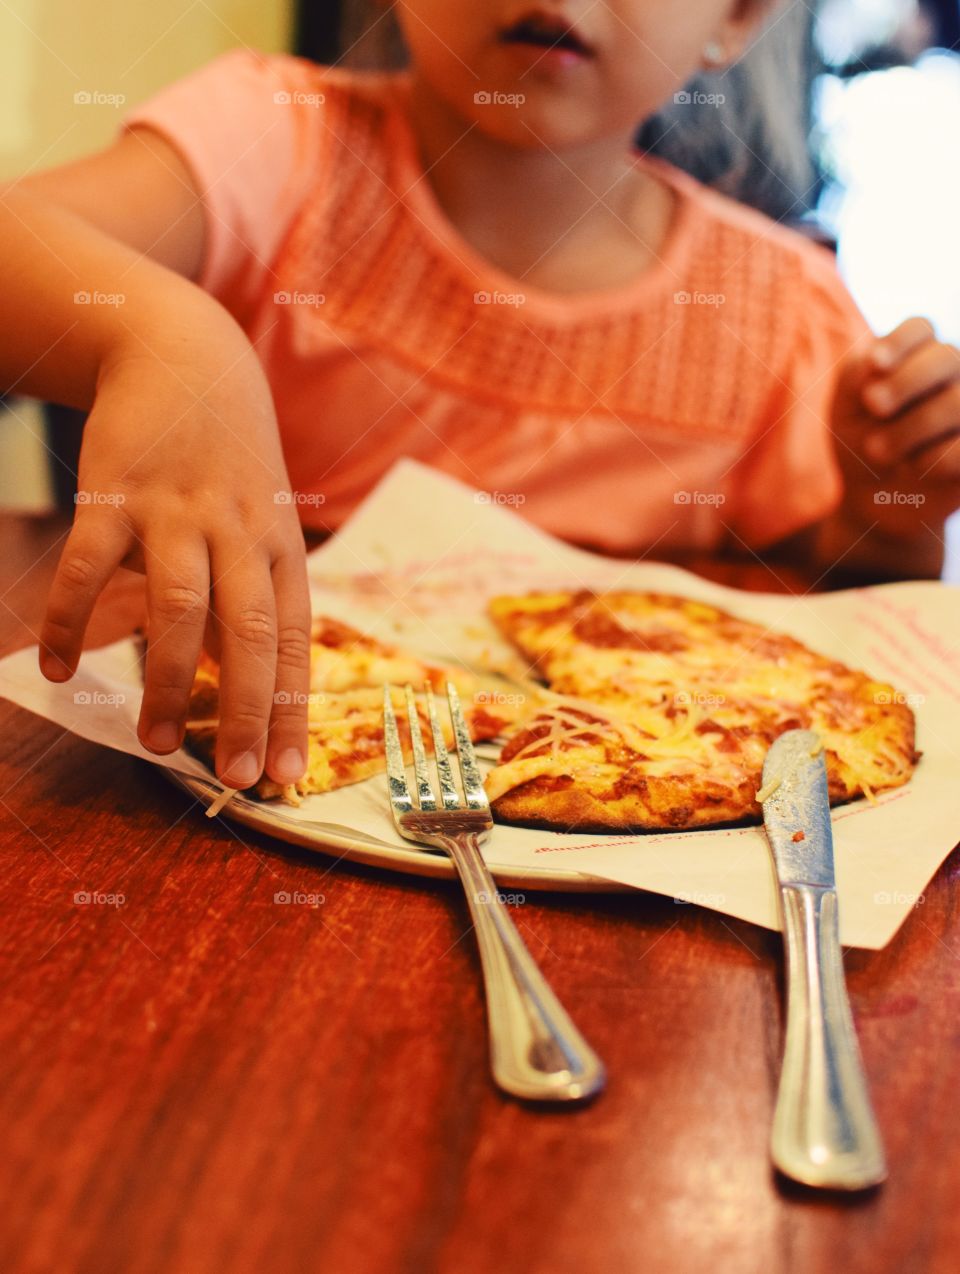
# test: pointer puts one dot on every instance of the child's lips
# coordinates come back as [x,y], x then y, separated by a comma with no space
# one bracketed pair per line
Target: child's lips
[534,56]
[544,37]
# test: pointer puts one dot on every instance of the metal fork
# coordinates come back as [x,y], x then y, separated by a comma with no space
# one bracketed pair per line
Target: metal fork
[536,1052]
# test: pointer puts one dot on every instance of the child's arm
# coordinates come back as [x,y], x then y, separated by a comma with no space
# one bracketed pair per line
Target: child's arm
[181,458]
[896,420]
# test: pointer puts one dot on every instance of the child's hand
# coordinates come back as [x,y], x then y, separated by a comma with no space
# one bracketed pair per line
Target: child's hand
[897,420]
[181,466]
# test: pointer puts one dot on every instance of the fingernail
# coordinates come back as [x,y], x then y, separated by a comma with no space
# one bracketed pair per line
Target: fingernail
[163,737]
[243,770]
[53,669]
[291,765]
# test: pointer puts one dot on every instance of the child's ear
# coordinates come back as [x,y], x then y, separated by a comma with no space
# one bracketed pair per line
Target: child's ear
[742,23]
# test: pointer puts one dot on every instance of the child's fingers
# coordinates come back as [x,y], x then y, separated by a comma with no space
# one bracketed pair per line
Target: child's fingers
[211,635]
[97,544]
[930,421]
[940,462]
[178,590]
[920,372]
[247,617]
[853,374]
[908,336]
[287,744]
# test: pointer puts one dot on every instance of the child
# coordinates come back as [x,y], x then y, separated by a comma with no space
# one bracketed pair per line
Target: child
[466,264]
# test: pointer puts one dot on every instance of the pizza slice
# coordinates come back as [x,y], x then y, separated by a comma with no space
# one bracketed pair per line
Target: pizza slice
[665,708]
[348,670]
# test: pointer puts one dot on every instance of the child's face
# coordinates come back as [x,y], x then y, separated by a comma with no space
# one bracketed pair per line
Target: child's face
[492,60]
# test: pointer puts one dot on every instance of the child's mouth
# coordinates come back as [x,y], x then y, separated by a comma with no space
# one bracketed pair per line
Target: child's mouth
[549,34]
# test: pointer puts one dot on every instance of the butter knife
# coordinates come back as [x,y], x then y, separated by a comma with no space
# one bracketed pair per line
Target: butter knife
[824,1130]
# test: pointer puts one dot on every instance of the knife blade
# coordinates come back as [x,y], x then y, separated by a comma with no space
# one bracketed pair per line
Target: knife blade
[824,1131]
[796,810]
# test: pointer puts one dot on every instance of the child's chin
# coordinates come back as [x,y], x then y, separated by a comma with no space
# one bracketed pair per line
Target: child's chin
[542,121]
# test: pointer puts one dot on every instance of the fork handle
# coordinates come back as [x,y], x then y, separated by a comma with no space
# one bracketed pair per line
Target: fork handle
[536,1052]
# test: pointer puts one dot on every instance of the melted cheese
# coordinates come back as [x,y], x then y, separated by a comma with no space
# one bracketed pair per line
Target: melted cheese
[641,729]
[669,748]
[627,691]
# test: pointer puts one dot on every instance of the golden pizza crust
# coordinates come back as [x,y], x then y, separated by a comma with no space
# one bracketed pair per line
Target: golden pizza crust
[575,808]
[664,805]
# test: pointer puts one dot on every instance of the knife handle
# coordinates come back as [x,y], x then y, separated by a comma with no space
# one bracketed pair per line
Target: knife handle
[824,1131]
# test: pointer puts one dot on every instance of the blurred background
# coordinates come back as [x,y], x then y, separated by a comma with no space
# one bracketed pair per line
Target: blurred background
[841,120]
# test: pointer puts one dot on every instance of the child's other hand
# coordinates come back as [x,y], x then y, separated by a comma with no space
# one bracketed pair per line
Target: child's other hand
[898,419]
[179,474]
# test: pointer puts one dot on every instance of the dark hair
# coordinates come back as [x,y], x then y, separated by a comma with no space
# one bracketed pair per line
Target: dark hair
[750,137]
[744,130]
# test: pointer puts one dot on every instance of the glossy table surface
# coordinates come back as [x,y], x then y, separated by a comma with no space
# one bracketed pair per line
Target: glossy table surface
[196,1079]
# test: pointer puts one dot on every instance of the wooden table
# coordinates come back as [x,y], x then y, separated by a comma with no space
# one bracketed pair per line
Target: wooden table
[197,1080]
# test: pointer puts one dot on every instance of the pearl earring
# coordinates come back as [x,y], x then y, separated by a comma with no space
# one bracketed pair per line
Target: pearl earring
[713,53]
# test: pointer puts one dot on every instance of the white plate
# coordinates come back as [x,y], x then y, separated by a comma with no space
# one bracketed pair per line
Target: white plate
[338,841]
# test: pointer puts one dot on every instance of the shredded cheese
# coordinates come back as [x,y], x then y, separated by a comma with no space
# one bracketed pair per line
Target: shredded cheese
[768,790]
[214,808]
[624,692]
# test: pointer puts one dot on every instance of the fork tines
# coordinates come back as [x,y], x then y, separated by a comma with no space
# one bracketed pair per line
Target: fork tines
[473,793]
